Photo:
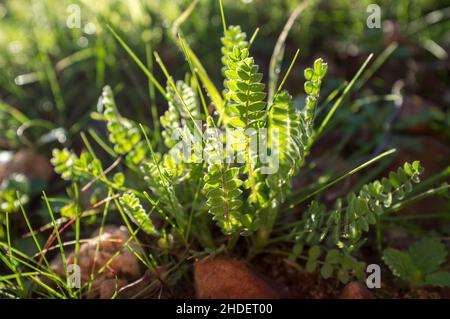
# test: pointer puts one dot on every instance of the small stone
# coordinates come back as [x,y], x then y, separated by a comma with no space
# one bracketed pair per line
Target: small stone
[227,278]
[110,288]
[356,290]
[146,287]
[28,163]
[122,265]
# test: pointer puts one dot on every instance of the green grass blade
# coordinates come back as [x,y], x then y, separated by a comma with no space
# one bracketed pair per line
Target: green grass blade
[138,61]
[353,171]
[56,231]
[278,51]
[14,112]
[210,88]
[182,44]
[280,87]
[174,87]
[252,39]
[342,97]
[36,242]
[222,15]
[379,61]
[183,17]
[54,86]
[102,143]
[152,96]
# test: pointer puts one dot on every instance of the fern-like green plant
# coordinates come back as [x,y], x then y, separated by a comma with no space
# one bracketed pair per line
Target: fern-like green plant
[160,183]
[223,185]
[246,109]
[133,208]
[288,127]
[74,168]
[177,115]
[244,90]
[314,77]
[346,222]
[193,180]
[344,225]
[124,134]
[223,188]
[233,37]
[239,196]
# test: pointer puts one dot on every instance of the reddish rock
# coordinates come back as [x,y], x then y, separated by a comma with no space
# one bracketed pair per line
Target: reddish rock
[356,290]
[227,278]
[28,163]
[111,287]
[122,265]
[146,287]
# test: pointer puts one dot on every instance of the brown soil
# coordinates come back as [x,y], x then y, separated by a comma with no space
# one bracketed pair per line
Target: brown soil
[304,285]
[300,284]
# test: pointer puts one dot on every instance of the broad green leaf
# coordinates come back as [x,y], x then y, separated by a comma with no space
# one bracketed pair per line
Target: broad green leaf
[400,263]
[311,265]
[333,256]
[427,255]
[326,271]
[440,278]
[314,252]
